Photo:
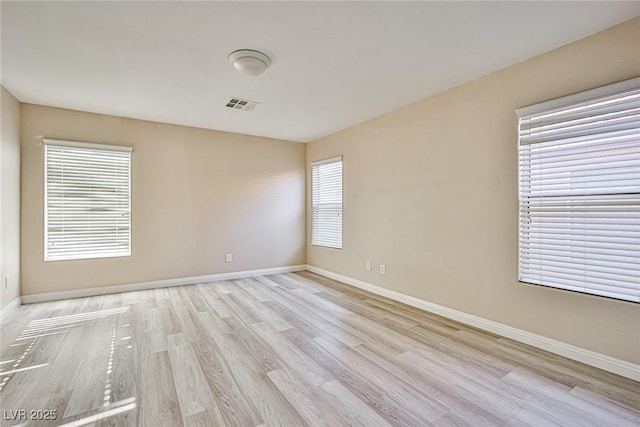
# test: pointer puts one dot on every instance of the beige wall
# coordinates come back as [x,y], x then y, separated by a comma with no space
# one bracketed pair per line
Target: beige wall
[196,195]
[9,198]
[430,190]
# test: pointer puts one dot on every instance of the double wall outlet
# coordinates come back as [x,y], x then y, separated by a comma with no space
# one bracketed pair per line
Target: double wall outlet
[228,258]
[383,268]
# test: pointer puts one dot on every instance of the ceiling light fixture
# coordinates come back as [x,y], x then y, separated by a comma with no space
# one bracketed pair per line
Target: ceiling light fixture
[250,62]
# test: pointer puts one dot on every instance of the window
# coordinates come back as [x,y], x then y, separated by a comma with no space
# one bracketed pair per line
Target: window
[326,200]
[87,200]
[579,181]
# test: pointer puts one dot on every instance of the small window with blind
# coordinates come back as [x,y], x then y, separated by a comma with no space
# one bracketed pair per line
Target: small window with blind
[579,192]
[87,200]
[326,200]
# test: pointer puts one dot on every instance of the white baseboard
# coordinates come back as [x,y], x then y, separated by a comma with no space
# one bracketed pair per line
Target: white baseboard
[103,290]
[604,362]
[10,307]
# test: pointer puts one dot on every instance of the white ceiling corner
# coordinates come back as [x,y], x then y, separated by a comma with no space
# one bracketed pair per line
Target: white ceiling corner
[334,64]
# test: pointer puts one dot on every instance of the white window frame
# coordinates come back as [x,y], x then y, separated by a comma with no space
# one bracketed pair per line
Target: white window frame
[600,266]
[76,149]
[325,234]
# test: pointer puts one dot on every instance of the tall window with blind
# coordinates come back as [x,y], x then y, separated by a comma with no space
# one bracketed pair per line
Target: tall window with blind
[579,182]
[326,200]
[87,200]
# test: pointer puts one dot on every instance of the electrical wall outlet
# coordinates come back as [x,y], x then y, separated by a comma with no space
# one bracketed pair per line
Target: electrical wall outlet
[383,269]
[228,258]
[368,265]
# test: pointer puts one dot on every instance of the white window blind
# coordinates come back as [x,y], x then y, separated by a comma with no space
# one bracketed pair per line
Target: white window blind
[87,200]
[579,192]
[326,199]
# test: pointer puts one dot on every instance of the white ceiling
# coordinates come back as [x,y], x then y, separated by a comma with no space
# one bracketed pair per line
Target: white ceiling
[333,64]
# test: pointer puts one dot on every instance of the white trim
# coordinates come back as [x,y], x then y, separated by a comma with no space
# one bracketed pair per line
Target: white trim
[10,307]
[89,145]
[329,160]
[104,290]
[579,97]
[598,360]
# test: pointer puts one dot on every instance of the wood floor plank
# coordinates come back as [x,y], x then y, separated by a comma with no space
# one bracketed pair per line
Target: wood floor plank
[267,281]
[311,285]
[251,377]
[53,402]
[428,408]
[207,418]
[260,310]
[169,322]
[266,359]
[594,401]
[366,310]
[486,391]
[191,387]
[196,299]
[298,282]
[353,411]
[240,310]
[124,381]
[222,286]
[561,402]
[574,373]
[468,411]
[325,322]
[283,282]
[92,371]
[233,404]
[377,335]
[373,394]
[293,317]
[35,352]
[305,399]
[158,402]
[216,303]
[295,358]
[255,289]
[290,349]
[185,319]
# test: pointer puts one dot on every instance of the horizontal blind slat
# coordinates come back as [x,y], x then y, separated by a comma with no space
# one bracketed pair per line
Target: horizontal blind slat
[326,189]
[87,203]
[579,195]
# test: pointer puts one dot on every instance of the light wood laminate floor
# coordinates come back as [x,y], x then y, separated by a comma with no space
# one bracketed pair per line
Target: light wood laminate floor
[291,350]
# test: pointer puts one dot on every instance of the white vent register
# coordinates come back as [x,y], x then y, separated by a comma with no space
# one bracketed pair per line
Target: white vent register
[242,104]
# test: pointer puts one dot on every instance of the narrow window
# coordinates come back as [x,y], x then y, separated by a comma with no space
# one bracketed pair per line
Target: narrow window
[326,199]
[87,202]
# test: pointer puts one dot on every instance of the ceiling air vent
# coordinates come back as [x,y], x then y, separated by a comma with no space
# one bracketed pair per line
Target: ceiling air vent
[242,104]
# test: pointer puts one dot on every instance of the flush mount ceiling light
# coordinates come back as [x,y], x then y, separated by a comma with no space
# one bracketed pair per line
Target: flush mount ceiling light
[250,62]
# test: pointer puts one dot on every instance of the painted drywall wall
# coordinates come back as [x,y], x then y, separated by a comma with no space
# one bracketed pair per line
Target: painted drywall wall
[430,191]
[9,198]
[196,195]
